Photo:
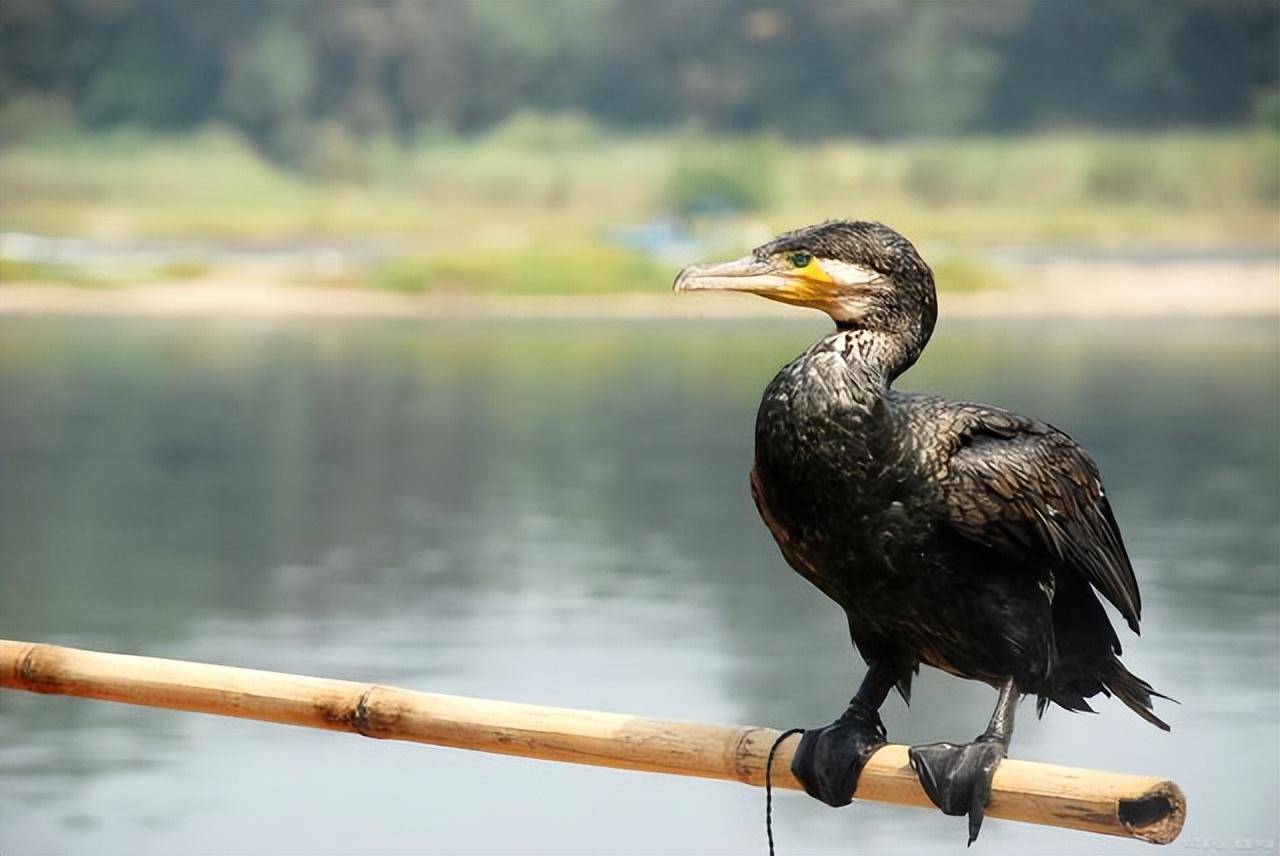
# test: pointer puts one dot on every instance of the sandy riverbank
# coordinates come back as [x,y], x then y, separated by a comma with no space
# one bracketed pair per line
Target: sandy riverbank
[1200,287]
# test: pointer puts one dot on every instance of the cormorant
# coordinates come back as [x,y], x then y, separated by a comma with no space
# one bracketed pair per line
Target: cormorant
[957,535]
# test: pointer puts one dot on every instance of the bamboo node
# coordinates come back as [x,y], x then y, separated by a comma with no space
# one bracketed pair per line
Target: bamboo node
[360,714]
[27,665]
[743,756]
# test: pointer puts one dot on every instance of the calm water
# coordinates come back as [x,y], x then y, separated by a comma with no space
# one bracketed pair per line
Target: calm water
[558,513]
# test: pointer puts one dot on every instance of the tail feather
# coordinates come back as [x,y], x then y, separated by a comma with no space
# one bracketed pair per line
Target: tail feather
[1135,693]
[1074,702]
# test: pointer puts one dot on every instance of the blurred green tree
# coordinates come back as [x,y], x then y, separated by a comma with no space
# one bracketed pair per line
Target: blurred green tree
[279,70]
[268,88]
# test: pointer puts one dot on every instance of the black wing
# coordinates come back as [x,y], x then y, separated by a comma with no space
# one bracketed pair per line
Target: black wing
[1026,489]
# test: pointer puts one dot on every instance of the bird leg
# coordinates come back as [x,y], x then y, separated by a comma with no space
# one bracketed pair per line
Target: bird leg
[829,760]
[958,778]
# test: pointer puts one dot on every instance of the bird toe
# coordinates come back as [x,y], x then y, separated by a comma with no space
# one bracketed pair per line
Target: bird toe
[957,778]
[829,760]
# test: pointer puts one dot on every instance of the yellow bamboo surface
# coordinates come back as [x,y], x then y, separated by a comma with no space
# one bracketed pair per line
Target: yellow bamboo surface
[1143,807]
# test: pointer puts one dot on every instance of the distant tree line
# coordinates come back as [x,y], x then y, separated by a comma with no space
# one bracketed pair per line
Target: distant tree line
[279,71]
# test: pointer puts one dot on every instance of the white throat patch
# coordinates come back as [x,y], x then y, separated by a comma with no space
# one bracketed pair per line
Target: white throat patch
[844,273]
[852,285]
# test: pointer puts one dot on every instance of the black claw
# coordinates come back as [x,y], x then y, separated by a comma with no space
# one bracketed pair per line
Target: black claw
[830,759]
[958,778]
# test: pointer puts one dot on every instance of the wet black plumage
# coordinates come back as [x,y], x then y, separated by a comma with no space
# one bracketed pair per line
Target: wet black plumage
[957,535]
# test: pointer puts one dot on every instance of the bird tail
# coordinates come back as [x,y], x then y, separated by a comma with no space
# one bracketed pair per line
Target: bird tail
[1135,693]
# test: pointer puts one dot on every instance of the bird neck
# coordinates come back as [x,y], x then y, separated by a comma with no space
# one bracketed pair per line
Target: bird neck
[878,354]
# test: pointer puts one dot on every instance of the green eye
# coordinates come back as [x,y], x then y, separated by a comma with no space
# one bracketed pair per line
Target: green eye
[800,259]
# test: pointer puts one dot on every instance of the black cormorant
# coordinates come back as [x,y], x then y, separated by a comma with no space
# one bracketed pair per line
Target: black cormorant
[957,535]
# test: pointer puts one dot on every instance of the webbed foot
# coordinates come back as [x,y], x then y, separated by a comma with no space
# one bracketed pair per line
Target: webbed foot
[958,778]
[830,759]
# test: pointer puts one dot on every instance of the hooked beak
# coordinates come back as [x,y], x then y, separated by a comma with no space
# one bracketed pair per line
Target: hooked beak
[748,274]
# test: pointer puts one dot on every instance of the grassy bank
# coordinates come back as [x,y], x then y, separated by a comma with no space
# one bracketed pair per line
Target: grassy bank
[520,207]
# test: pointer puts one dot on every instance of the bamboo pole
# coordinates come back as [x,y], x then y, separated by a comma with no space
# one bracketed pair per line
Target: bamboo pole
[1141,807]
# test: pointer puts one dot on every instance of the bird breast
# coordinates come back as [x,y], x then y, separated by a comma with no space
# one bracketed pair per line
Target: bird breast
[823,443]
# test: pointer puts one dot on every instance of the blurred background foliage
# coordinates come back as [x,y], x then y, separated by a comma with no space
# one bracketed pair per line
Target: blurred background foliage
[502,124]
[290,74]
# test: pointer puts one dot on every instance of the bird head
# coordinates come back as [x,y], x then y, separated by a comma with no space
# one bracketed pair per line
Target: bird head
[864,275]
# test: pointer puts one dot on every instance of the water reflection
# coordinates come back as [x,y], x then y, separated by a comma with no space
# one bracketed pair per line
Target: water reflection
[558,513]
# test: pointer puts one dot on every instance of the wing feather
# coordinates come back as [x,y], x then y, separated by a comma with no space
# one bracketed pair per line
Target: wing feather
[1027,489]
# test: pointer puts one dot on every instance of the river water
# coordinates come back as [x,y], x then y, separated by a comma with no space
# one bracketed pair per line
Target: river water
[558,513]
